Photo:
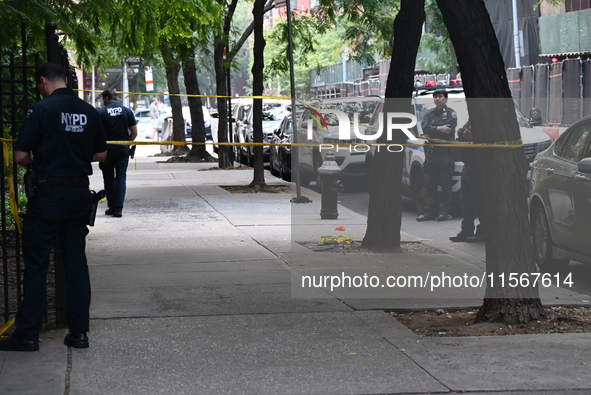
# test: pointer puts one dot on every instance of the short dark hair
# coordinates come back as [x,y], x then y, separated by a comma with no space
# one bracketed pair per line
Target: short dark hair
[440,92]
[109,94]
[51,71]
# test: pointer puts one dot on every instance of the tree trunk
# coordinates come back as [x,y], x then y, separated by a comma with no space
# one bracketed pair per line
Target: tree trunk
[505,219]
[224,112]
[384,216]
[221,66]
[258,11]
[172,77]
[195,106]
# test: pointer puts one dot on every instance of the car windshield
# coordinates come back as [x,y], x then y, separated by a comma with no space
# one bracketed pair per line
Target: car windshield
[523,122]
[273,111]
[364,109]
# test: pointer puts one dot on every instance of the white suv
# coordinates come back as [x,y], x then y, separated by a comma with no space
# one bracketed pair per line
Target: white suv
[320,127]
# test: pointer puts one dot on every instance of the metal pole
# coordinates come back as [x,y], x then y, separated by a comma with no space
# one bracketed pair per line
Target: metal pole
[294,151]
[516,45]
[93,88]
[125,86]
[229,112]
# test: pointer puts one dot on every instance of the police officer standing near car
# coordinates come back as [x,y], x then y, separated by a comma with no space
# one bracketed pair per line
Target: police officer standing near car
[471,191]
[120,125]
[438,124]
[60,138]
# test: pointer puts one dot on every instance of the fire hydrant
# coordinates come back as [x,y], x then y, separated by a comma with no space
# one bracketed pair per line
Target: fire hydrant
[330,186]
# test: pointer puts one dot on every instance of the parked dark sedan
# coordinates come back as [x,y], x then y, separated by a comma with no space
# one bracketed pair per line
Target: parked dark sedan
[273,113]
[280,156]
[560,202]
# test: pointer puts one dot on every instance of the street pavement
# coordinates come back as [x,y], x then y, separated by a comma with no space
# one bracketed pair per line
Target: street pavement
[197,290]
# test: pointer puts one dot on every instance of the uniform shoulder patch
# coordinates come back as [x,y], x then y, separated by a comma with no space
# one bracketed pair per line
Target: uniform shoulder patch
[29,113]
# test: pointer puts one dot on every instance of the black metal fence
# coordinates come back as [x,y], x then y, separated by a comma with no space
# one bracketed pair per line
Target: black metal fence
[17,94]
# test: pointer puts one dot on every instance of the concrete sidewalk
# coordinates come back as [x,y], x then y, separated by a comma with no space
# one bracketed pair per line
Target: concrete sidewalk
[197,290]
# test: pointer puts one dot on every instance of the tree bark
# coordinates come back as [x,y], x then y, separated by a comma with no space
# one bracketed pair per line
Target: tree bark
[384,216]
[223,110]
[221,41]
[258,11]
[221,66]
[505,218]
[195,105]
[172,77]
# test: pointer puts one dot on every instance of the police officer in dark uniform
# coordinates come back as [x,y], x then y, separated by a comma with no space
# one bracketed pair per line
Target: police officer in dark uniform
[471,191]
[120,125]
[64,135]
[439,124]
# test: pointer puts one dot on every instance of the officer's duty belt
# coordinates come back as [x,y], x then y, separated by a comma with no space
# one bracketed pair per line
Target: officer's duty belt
[67,182]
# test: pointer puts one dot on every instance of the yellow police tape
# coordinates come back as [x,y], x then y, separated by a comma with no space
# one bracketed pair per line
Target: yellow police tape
[10,180]
[6,326]
[438,143]
[340,240]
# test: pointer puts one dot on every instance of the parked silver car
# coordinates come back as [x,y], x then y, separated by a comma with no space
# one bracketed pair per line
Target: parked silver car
[560,202]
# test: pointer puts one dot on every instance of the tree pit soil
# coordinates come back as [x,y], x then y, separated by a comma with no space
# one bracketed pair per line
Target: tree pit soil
[459,323]
[263,189]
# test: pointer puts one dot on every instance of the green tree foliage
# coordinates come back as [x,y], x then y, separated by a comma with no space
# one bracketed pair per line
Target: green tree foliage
[436,52]
[314,47]
[367,23]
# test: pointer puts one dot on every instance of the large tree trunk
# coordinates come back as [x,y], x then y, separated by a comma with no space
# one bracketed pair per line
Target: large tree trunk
[258,11]
[172,77]
[384,216]
[198,150]
[505,220]
[224,112]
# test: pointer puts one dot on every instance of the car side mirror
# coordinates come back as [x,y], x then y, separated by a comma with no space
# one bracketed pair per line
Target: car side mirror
[535,117]
[584,166]
[215,115]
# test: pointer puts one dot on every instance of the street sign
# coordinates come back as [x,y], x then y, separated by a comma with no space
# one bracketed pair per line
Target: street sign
[149,79]
[280,3]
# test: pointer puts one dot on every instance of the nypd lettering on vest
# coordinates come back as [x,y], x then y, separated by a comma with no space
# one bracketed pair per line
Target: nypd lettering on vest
[74,122]
[114,111]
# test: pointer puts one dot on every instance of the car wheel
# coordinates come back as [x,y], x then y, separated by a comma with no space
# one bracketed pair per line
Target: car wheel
[542,242]
[241,156]
[275,172]
[284,174]
[237,157]
[249,159]
[317,177]
[417,183]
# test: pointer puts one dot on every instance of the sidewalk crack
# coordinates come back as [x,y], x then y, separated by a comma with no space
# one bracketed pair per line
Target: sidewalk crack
[68,372]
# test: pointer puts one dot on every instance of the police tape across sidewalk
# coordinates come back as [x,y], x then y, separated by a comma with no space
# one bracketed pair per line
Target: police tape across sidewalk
[500,144]
[357,147]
